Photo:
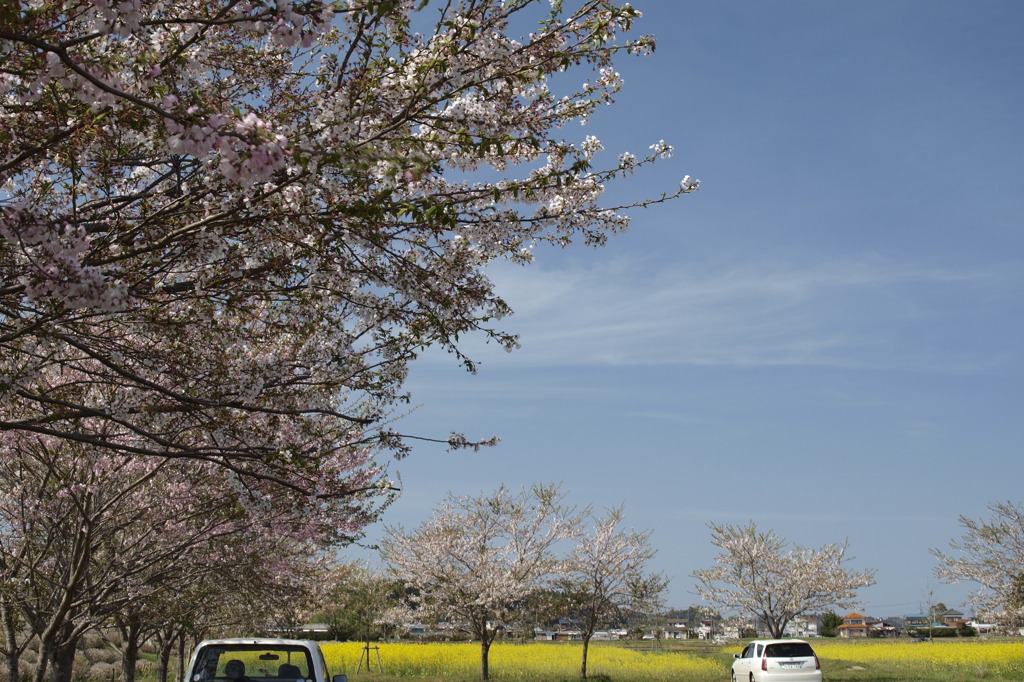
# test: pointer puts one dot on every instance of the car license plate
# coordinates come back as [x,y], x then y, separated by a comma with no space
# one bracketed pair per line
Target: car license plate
[792,665]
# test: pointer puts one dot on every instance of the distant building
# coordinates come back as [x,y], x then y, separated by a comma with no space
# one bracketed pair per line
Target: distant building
[952,618]
[857,625]
[915,622]
[676,629]
[803,626]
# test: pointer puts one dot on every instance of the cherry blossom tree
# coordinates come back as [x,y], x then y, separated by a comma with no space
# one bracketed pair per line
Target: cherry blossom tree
[760,574]
[93,538]
[478,558]
[990,553]
[226,227]
[605,578]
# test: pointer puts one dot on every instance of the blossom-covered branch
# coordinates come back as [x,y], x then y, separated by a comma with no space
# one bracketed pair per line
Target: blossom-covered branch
[226,228]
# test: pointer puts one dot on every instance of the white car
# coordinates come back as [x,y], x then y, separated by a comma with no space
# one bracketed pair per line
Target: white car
[777,660]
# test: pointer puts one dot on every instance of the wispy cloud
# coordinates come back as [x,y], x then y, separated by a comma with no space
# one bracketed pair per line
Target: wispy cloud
[855,314]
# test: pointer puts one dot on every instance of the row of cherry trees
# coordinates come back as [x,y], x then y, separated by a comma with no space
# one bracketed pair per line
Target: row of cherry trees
[226,229]
[153,548]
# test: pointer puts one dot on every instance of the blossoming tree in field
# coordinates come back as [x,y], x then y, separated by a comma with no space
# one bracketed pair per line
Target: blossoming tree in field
[605,580]
[478,558]
[227,227]
[760,574]
[990,553]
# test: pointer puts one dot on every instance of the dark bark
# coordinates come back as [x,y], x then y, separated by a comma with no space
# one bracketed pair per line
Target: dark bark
[485,649]
[167,639]
[586,649]
[62,655]
[12,650]
[181,657]
[129,649]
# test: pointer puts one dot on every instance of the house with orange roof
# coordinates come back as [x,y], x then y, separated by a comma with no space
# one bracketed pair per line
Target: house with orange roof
[855,625]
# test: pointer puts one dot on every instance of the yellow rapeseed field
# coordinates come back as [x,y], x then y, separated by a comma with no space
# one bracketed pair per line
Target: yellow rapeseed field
[841,659]
[535,661]
[958,655]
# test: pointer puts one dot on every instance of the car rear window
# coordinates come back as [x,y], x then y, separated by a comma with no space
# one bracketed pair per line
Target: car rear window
[250,662]
[788,650]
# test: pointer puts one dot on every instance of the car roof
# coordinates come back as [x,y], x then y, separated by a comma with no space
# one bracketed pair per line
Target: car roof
[777,641]
[261,641]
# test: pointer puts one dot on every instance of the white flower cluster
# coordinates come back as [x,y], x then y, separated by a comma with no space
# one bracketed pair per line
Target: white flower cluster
[248,154]
[53,267]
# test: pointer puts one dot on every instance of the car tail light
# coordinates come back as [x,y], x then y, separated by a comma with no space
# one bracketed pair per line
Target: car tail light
[764,663]
[817,663]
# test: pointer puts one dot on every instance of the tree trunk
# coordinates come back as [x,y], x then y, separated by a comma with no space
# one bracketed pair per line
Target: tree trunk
[485,649]
[43,662]
[586,649]
[166,640]
[181,656]
[62,663]
[11,648]
[776,624]
[129,651]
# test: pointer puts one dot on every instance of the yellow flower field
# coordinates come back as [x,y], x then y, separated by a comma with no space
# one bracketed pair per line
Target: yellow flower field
[942,660]
[964,655]
[522,661]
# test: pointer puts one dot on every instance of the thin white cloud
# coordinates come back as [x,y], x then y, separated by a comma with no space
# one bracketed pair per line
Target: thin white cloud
[855,314]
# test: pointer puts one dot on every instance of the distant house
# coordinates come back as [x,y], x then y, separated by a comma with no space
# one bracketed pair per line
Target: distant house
[914,622]
[981,627]
[855,625]
[885,628]
[676,629]
[284,630]
[803,626]
[952,618]
[606,635]
[566,635]
[564,630]
[730,630]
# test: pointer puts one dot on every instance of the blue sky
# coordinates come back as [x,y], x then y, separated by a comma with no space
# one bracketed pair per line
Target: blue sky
[825,339]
